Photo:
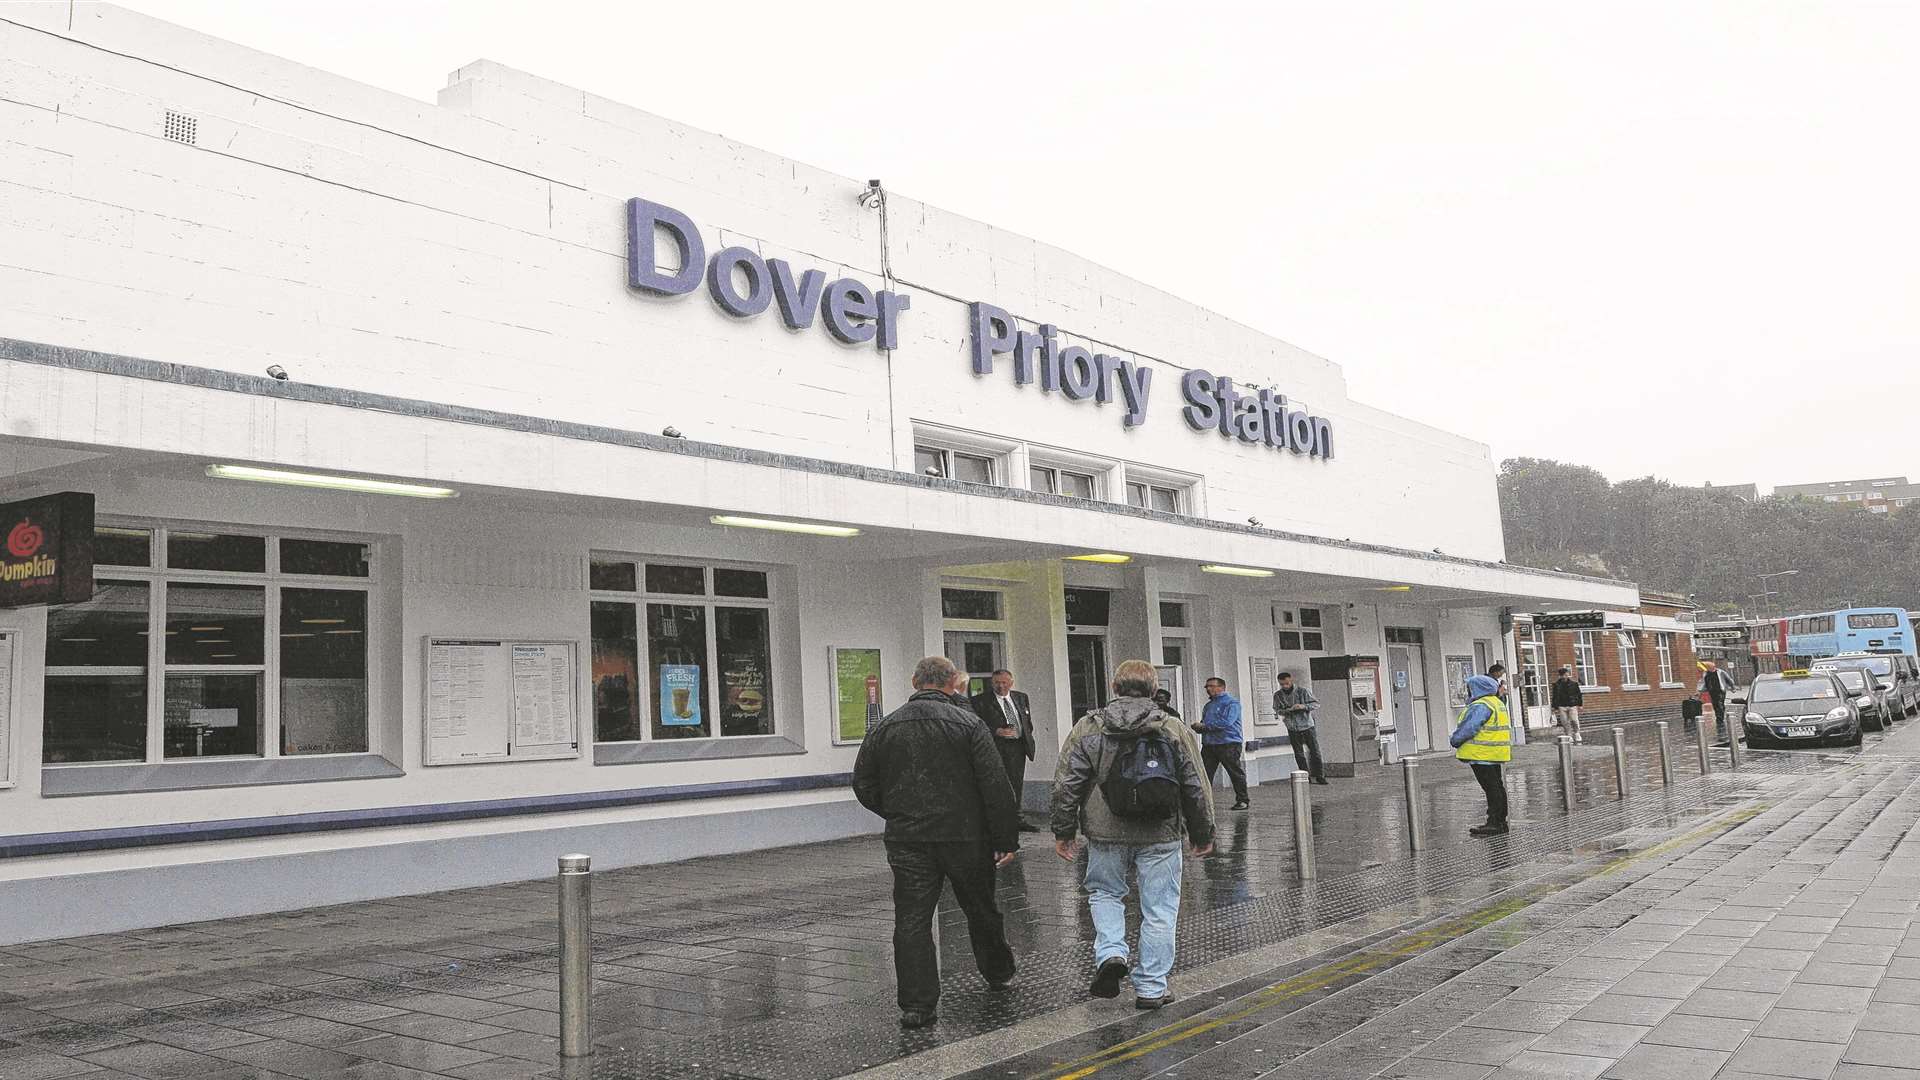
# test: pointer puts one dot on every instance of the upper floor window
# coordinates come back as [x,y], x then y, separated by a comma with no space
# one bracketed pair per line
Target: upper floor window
[1153,497]
[1586,664]
[1663,651]
[1629,658]
[955,464]
[680,650]
[1055,481]
[203,643]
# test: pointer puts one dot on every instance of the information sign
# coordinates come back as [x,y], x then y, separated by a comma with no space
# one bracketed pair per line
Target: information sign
[1571,620]
[1261,685]
[1459,670]
[499,700]
[856,693]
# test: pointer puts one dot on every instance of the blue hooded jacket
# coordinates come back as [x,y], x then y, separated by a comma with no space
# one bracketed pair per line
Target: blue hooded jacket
[1477,714]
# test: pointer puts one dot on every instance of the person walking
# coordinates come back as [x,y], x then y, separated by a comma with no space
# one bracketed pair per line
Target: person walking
[1009,715]
[1164,698]
[931,770]
[1567,700]
[1295,704]
[1129,781]
[1483,738]
[1716,682]
[1220,739]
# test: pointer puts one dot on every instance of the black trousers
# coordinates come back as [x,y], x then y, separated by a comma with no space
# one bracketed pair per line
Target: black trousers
[1214,756]
[1306,752]
[1719,713]
[1495,785]
[1013,757]
[919,872]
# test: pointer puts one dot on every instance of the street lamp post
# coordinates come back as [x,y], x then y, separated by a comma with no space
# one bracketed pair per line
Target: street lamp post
[1776,574]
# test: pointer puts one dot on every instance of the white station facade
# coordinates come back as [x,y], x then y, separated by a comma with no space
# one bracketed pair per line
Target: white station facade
[592,354]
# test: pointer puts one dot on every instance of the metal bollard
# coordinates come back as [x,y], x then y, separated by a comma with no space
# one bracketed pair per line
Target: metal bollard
[1303,824]
[1566,772]
[1703,739]
[1620,759]
[576,955]
[1666,753]
[1414,823]
[1736,726]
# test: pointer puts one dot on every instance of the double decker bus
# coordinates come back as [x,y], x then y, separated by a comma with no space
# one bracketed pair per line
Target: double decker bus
[1849,630]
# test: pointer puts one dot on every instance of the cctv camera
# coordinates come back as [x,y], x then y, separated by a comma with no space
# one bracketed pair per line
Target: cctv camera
[277,372]
[672,432]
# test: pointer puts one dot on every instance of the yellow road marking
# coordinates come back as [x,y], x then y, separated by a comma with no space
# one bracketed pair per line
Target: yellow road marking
[1365,962]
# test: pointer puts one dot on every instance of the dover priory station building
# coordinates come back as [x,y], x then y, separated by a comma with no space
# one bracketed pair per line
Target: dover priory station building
[473,481]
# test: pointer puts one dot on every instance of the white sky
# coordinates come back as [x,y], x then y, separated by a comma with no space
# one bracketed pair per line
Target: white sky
[1678,239]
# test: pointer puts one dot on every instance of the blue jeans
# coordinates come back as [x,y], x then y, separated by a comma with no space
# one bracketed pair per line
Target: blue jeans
[1159,867]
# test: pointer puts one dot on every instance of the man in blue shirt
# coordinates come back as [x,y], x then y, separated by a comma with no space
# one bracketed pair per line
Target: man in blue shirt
[1220,742]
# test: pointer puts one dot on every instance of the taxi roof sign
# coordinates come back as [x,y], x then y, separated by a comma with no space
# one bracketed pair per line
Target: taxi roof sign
[1795,673]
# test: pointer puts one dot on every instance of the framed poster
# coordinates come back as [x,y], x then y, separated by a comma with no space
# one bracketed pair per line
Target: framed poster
[855,677]
[1459,670]
[501,700]
[1261,684]
[680,695]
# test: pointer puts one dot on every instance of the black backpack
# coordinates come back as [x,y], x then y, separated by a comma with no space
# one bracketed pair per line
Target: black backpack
[1143,781]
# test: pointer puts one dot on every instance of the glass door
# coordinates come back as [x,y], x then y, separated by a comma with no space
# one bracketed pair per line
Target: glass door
[1087,672]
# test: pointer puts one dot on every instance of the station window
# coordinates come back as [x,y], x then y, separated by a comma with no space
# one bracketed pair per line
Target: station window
[1629,658]
[976,604]
[1405,635]
[1153,497]
[1053,481]
[680,650]
[954,464]
[201,644]
[1663,652]
[1173,613]
[1585,663]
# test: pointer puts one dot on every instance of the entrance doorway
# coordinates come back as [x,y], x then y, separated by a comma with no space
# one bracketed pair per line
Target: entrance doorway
[1535,700]
[1407,682]
[1086,672]
[979,653]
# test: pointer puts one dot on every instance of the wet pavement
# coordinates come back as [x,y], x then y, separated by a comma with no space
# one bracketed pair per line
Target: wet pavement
[777,964]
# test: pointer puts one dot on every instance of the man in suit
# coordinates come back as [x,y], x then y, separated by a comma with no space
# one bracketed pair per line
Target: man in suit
[1009,716]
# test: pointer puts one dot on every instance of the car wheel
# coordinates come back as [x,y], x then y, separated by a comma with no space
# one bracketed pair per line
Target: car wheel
[1859,736]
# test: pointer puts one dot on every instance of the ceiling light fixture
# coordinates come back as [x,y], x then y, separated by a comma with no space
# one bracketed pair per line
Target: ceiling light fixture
[330,482]
[807,527]
[1235,571]
[1393,588]
[1102,557]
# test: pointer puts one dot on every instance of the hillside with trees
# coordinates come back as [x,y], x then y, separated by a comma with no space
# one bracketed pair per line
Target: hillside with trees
[1706,543]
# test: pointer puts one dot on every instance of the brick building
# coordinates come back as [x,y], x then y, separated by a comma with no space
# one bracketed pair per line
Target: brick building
[1639,667]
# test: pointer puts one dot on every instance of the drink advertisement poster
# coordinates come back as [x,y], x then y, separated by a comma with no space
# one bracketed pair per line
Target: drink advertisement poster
[856,693]
[680,695]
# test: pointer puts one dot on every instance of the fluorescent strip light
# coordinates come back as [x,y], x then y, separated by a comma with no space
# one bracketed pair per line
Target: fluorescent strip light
[333,483]
[1394,588]
[1235,571]
[1102,557]
[807,527]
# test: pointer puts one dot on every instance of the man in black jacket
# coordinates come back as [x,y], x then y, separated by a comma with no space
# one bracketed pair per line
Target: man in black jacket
[930,768]
[1567,700]
[1009,715]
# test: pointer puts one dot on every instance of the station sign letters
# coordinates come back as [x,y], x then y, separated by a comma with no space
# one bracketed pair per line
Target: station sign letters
[1571,620]
[46,550]
[744,285]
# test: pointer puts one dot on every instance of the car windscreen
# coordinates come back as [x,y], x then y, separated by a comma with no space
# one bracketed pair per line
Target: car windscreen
[1853,679]
[1793,690]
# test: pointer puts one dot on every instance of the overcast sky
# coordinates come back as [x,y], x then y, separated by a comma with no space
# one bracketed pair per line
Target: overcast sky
[1677,239]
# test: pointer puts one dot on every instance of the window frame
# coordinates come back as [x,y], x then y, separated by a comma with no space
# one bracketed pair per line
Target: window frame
[948,454]
[1663,655]
[1628,644]
[639,599]
[1096,491]
[157,576]
[1586,658]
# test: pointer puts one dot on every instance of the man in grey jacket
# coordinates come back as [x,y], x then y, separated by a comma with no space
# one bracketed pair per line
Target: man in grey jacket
[1295,704]
[1151,847]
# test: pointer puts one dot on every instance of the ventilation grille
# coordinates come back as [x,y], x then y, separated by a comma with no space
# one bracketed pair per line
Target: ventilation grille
[181,127]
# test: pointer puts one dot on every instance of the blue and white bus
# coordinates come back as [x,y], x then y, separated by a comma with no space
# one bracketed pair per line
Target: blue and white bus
[1849,630]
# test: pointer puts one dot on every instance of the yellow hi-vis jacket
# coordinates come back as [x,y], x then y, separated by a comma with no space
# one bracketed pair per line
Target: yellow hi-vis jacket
[1494,740]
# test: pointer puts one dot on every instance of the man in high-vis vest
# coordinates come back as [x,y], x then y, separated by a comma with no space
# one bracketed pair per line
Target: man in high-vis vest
[1483,738]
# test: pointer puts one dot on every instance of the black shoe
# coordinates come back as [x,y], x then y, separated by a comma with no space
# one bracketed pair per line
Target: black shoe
[1106,981]
[1320,780]
[914,1018]
[1001,986]
[1024,827]
[1488,829]
[1241,805]
[1160,1002]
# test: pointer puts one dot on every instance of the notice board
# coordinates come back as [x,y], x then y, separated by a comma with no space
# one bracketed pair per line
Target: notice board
[1261,683]
[501,700]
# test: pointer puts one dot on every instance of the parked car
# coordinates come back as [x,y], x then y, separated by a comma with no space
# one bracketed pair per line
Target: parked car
[1858,680]
[1907,677]
[1886,668]
[1801,708]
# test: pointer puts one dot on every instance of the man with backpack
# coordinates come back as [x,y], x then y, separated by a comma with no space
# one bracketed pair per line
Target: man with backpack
[1129,780]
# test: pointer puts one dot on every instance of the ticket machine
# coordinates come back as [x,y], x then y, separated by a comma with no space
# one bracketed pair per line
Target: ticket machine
[1351,736]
